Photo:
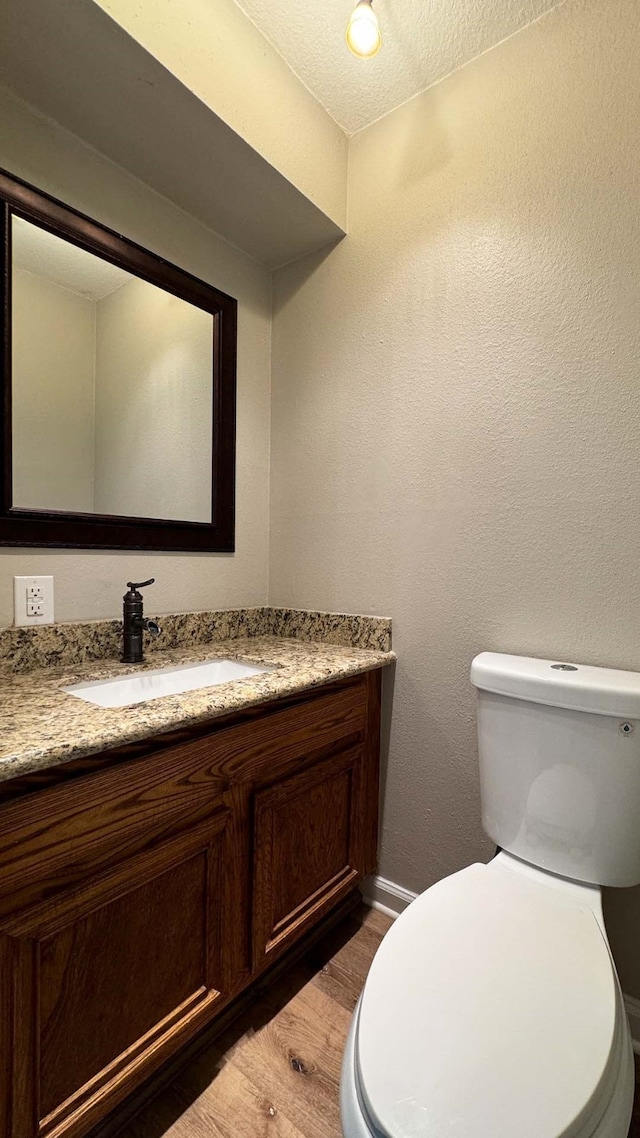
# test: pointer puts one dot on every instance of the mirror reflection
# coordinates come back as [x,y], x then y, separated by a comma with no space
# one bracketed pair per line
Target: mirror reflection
[112,388]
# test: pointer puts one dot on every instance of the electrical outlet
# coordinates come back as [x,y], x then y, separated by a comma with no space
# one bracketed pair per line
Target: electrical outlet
[32,600]
[35,600]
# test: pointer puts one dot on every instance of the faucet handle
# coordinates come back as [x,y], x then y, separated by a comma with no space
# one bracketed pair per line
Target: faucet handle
[134,586]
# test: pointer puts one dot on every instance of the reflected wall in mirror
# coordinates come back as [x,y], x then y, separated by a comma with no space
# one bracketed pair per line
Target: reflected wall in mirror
[111,384]
[119,389]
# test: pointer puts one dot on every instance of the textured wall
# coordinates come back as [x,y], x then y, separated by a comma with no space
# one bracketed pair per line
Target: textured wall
[456,406]
[90,585]
[53,343]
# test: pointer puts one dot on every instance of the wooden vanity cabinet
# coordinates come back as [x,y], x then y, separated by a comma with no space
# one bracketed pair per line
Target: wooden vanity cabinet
[138,900]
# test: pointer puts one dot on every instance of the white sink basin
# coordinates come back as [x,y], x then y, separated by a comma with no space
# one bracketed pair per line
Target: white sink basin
[156,682]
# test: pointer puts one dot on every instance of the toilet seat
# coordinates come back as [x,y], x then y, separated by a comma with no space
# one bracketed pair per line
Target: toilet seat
[487,987]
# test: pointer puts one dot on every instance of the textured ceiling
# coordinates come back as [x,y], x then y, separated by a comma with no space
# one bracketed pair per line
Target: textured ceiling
[423,40]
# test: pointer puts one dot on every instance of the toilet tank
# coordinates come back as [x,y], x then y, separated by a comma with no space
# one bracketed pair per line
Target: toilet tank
[559,750]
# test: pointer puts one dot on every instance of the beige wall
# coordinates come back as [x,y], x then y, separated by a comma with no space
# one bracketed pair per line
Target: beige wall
[154,405]
[53,340]
[219,54]
[456,404]
[89,585]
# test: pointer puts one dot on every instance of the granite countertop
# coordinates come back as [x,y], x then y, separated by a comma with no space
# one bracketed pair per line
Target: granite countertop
[42,726]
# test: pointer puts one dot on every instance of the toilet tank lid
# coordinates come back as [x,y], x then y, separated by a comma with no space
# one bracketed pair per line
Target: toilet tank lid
[557,683]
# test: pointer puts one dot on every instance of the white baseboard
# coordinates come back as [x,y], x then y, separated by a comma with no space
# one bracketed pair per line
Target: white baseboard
[633,1015]
[387,897]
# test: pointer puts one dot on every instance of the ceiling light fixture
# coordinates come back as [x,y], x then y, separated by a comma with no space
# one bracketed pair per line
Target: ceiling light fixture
[363,31]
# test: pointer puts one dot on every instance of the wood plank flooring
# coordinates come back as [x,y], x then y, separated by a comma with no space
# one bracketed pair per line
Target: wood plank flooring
[634,1129]
[275,1072]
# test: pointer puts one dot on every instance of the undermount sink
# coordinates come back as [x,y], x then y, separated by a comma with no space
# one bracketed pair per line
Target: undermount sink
[156,682]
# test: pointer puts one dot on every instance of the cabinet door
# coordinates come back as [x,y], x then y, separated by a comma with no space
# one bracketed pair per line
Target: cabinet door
[307,848]
[104,980]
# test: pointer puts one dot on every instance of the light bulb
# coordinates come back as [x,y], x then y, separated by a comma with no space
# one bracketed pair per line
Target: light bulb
[363,31]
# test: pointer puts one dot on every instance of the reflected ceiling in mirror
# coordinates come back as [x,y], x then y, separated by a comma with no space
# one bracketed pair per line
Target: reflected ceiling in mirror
[118,389]
[112,389]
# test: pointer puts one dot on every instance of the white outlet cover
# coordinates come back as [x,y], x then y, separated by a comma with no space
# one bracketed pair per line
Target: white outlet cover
[21,585]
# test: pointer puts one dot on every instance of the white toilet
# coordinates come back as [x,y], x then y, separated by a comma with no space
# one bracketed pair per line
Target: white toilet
[493,1008]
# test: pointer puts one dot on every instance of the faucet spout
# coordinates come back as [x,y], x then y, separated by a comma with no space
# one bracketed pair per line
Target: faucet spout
[151,627]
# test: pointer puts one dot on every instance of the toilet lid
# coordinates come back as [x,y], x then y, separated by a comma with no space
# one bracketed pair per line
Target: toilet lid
[490,1011]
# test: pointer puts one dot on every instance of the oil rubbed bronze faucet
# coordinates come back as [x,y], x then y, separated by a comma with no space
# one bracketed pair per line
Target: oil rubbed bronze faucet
[135,623]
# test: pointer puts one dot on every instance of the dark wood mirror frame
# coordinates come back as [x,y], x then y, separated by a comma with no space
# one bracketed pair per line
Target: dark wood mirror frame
[28,527]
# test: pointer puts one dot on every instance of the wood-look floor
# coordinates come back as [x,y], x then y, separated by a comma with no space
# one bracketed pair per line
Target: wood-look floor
[275,1071]
[634,1129]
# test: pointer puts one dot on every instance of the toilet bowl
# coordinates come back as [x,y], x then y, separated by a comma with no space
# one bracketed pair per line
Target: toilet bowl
[492,1008]
[487,986]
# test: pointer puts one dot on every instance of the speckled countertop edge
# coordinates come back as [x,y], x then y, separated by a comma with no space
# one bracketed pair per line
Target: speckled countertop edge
[42,726]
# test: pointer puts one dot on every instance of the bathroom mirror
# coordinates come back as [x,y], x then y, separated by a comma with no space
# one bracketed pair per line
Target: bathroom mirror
[118,389]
